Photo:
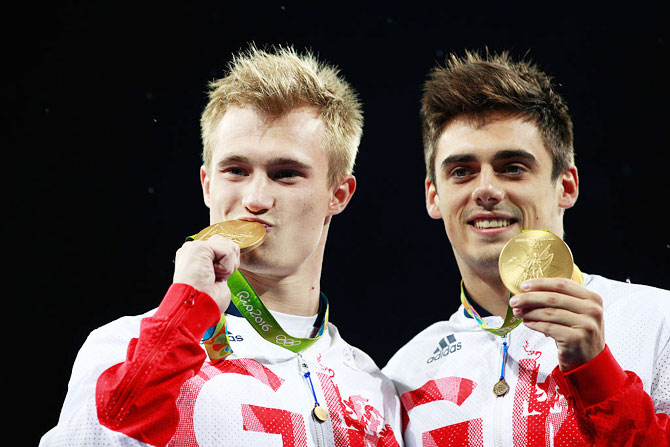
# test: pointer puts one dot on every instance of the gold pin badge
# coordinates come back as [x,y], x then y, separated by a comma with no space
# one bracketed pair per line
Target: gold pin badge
[248,235]
[534,254]
[320,413]
[500,388]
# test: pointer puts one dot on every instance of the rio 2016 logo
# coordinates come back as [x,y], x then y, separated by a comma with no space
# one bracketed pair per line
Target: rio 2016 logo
[254,314]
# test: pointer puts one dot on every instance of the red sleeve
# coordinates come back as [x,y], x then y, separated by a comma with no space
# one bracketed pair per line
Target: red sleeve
[611,406]
[138,396]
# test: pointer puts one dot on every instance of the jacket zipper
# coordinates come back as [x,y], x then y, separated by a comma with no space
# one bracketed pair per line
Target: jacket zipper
[304,372]
[497,416]
[125,392]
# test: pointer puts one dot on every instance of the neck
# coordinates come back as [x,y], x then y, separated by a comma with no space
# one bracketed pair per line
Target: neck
[487,289]
[295,291]
[296,294]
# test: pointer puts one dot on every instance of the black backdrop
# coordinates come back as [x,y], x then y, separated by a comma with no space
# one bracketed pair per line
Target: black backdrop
[102,103]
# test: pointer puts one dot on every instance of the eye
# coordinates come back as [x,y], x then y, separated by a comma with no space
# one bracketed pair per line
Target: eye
[286,174]
[514,169]
[459,172]
[235,171]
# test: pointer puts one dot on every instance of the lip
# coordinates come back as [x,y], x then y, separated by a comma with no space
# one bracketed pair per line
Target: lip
[267,225]
[491,216]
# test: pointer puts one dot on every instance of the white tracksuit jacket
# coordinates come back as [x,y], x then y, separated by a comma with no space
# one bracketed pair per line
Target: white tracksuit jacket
[145,380]
[445,377]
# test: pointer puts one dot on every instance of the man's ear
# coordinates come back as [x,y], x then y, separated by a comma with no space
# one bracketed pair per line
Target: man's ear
[568,187]
[341,195]
[204,182]
[432,205]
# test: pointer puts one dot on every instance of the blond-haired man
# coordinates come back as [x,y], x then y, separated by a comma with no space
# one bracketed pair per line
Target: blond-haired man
[280,135]
[499,155]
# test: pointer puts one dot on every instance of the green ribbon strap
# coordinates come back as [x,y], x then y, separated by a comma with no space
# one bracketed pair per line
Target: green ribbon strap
[254,311]
[510,322]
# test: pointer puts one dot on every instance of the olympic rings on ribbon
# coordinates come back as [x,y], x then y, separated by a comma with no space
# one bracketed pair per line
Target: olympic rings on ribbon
[286,341]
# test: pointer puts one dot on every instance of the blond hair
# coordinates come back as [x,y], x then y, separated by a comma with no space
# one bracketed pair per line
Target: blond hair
[278,81]
[479,88]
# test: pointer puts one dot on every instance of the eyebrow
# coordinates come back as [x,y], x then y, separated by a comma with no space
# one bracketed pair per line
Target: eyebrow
[506,154]
[277,161]
[287,161]
[515,153]
[232,159]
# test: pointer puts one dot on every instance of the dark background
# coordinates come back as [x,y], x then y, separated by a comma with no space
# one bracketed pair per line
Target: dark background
[102,104]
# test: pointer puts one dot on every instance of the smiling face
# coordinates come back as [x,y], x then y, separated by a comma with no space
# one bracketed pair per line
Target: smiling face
[274,171]
[491,182]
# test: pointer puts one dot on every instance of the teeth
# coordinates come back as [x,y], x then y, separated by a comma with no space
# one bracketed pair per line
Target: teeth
[492,223]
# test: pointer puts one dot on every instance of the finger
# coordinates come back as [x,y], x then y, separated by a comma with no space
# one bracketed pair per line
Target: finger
[563,286]
[555,316]
[555,331]
[222,247]
[583,341]
[226,257]
[525,302]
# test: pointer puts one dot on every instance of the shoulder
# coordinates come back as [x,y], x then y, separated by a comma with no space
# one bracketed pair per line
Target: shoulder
[416,347]
[123,328]
[621,293]
[353,356]
[112,338]
[104,347]
[355,367]
[642,312]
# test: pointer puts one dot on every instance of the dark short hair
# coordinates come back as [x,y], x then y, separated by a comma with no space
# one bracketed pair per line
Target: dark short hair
[480,87]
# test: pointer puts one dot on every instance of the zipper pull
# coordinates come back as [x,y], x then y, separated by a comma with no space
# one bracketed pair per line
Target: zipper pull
[304,368]
[319,412]
[501,387]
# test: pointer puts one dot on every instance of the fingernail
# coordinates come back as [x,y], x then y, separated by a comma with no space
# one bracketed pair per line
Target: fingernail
[513,301]
[524,285]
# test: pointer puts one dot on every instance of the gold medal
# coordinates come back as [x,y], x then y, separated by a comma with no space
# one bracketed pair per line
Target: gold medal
[534,254]
[320,413]
[248,235]
[500,388]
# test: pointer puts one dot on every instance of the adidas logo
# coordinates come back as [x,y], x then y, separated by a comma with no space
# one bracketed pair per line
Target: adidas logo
[232,337]
[447,345]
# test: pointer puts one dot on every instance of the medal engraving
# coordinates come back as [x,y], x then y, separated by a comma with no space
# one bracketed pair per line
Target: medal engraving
[320,413]
[500,388]
[248,235]
[534,254]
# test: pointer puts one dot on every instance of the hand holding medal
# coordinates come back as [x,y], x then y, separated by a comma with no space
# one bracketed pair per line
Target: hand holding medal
[532,254]
[551,298]
[248,236]
[529,255]
[207,263]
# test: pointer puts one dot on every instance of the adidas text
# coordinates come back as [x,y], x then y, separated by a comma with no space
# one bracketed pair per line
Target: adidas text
[446,346]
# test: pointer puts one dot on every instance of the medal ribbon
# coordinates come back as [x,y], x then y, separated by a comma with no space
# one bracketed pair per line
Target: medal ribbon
[259,317]
[510,321]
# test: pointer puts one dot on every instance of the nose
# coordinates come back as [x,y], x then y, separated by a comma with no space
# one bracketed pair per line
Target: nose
[487,192]
[257,198]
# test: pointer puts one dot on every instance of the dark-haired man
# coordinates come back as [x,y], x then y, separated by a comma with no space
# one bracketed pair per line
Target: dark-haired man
[589,365]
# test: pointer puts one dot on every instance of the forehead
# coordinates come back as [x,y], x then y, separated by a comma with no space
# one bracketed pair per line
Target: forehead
[482,140]
[246,132]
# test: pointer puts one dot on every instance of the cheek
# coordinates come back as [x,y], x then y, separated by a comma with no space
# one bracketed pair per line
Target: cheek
[452,208]
[219,205]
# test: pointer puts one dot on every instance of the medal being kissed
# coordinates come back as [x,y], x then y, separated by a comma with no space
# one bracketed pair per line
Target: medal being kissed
[248,235]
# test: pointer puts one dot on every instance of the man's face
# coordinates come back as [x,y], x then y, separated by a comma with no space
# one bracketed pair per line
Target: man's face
[491,182]
[274,171]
